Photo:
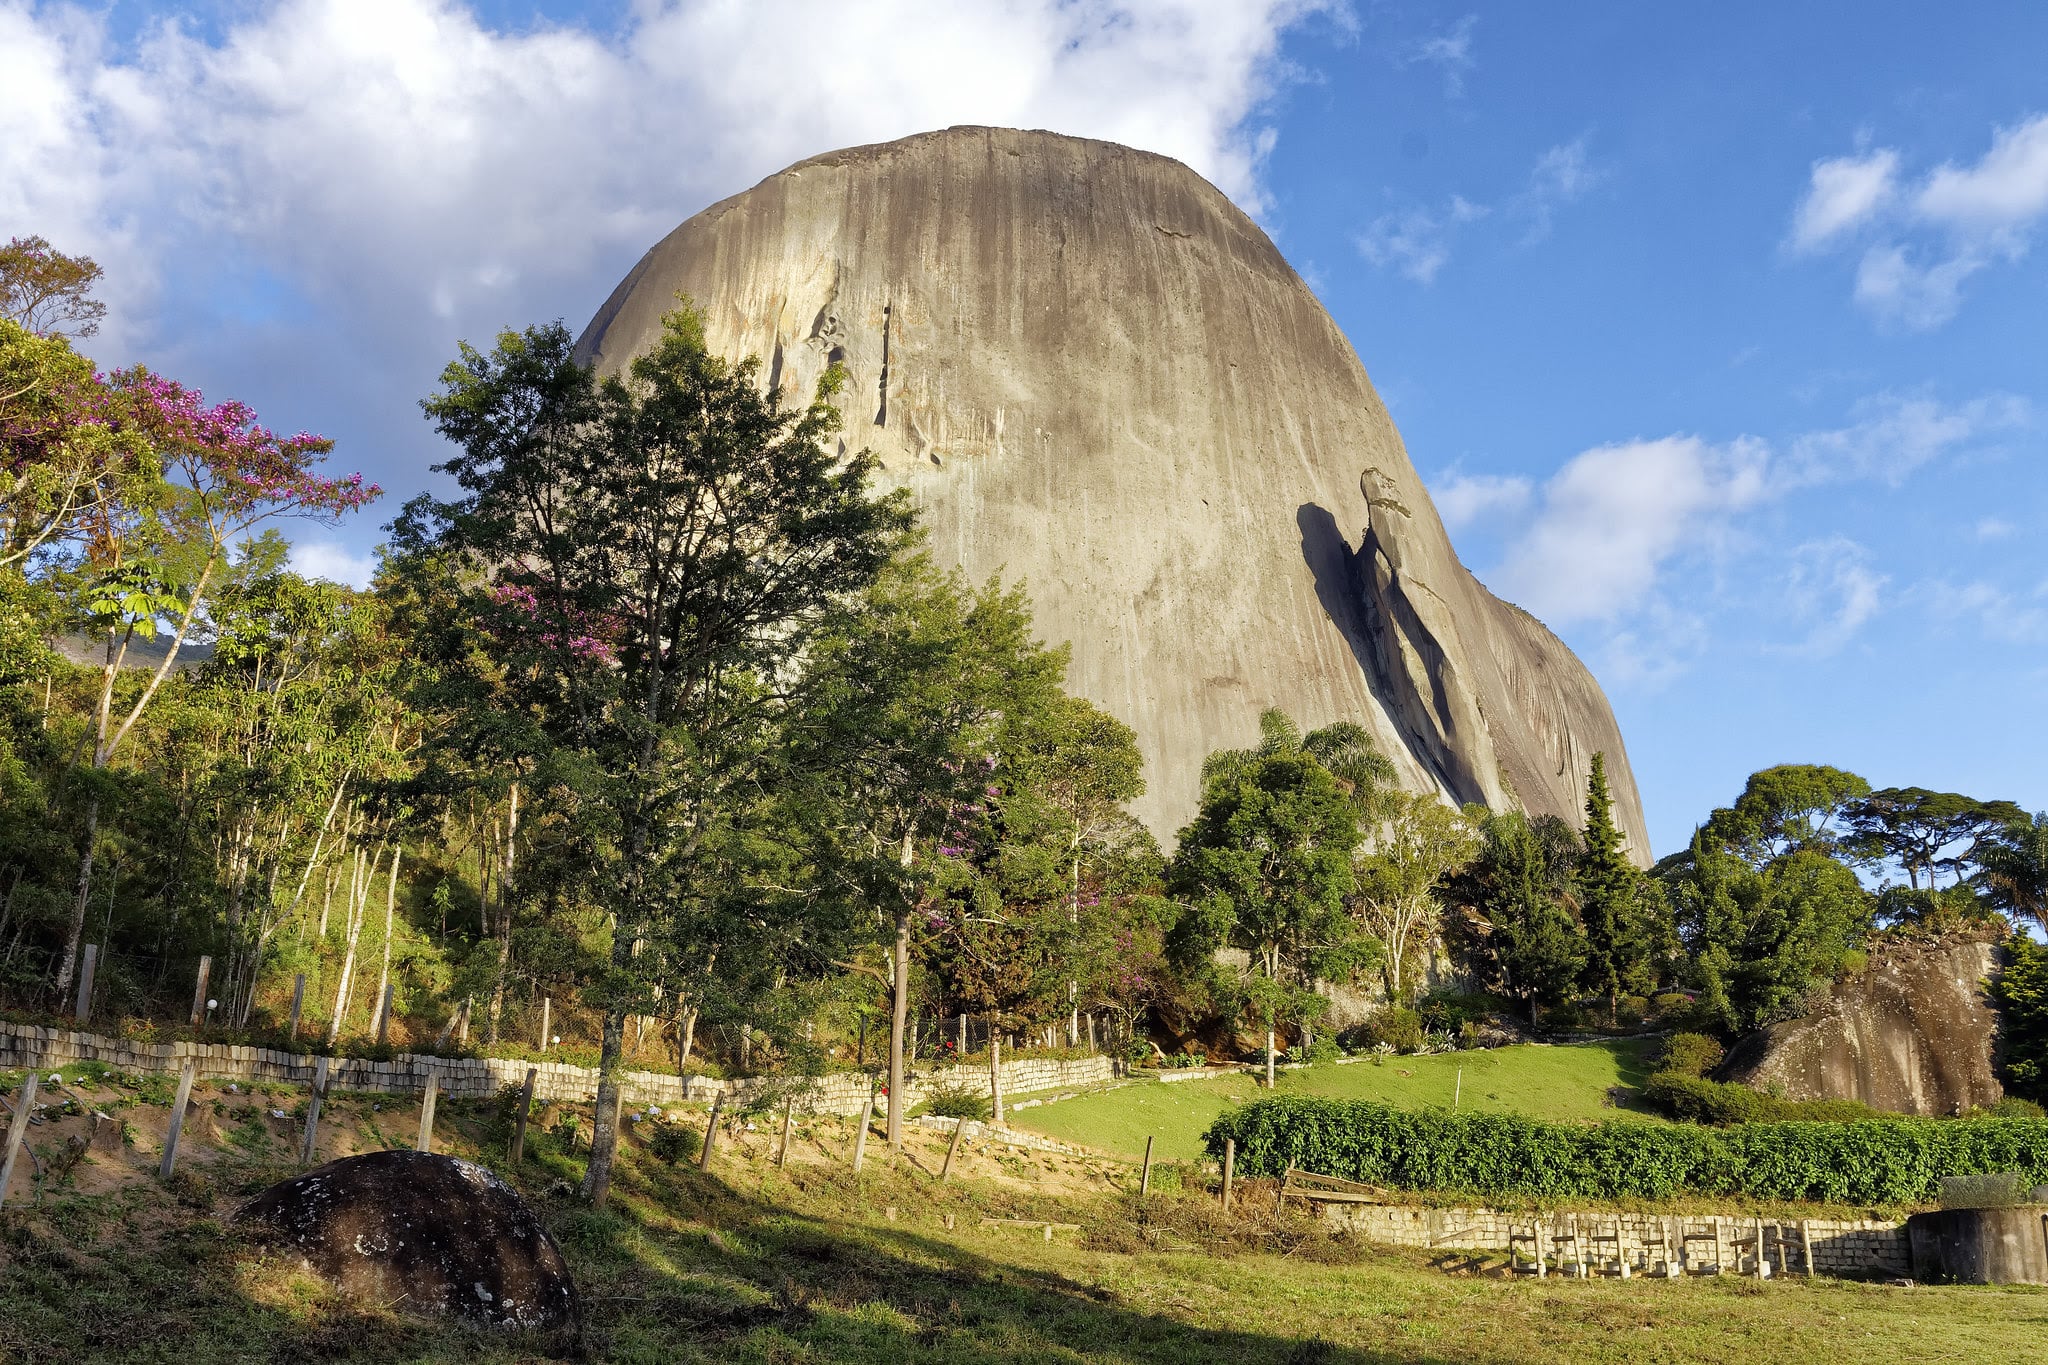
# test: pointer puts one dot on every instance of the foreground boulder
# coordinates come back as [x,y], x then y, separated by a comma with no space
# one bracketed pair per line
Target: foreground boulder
[1913,1034]
[429,1234]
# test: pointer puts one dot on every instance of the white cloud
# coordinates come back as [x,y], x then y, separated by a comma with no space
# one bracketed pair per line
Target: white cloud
[1935,235]
[1450,52]
[335,563]
[1465,499]
[2006,189]
[1844,192]
[382,177]
[1994,528]
[2010,615]
[1561,174]
[1832,589]
[1892,435]
[1415,241]
[1615,515]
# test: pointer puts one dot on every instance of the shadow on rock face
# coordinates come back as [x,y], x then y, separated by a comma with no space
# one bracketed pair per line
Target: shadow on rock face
[428,1234]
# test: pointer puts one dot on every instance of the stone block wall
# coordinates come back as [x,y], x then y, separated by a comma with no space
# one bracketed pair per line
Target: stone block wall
[23,1047]
[1862,1249]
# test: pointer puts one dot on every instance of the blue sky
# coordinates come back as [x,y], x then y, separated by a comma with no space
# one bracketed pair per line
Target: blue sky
[1717,331]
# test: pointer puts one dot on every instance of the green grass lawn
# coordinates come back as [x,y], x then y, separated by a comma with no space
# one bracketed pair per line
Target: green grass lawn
[813,1265]
[1566,1083]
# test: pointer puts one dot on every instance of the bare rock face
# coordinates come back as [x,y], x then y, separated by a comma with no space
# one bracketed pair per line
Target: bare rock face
[429,1234]
[1912,1035]
[1100,378]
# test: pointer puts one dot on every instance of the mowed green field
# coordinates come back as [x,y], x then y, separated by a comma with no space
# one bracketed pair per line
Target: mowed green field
[1573,1082]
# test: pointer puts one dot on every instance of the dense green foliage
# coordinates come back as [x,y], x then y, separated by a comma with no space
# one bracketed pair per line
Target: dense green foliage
[1882,1161]
[2021,992]
[1696,1099]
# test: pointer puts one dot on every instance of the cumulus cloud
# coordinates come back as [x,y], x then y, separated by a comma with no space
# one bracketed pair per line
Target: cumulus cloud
[1623,534]
[1994,528]
[1845,192]
[1464,500]
[317,195]
[1615,515]
[1927,239]
[335,563]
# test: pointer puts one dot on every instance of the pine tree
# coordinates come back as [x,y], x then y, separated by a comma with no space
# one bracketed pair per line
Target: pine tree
[1609,892]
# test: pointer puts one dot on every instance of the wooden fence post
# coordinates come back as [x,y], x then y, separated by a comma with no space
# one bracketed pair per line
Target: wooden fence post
[85,970]
[1763,1266]
[547,1009]
[860,1133]
[525,1108]
[788,1118]
[384,1012]
[298,1002]
[311,1146]
[199,991]
[959,1127]
[1806,1244]
[1229,1167]
[24,1105]
[170,1160]
[1145,1174]
[710,1132]
[1720,1249]
[1536,1235]
[426,1142]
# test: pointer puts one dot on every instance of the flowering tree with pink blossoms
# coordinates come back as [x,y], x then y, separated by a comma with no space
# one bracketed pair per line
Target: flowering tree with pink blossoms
[143,553]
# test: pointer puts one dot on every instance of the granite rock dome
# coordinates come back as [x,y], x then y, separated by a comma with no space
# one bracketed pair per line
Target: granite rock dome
[1096,375]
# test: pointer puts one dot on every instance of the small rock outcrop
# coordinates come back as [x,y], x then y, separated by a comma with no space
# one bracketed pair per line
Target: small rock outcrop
[427,1234]
[1913,1034]
[1100,379]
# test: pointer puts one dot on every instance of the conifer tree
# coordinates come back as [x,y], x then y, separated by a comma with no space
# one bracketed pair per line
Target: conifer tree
[1610,889]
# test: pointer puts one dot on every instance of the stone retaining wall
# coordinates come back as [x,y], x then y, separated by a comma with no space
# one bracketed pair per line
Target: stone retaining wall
[23,1047]
[1862,1249]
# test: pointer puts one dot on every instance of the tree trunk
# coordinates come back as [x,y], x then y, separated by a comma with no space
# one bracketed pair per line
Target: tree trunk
[995,1070]
[384,972]
[899,1011]
[1269,1057]
[76,932]
[604,1128]
[688,1045]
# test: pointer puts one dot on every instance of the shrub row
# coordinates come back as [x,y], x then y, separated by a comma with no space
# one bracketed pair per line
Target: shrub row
[1877,1161]
[1723,1103]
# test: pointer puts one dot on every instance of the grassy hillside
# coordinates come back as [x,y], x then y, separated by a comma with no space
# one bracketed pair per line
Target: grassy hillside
[811,1264]
[1565,1083]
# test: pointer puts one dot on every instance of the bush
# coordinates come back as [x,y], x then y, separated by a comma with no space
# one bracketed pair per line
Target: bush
[1690,1054]
[1450,1011]
[1721,1103]
[1671,1002]
[1871,1161]
[671,1142]
[1323,1049]
[955,1102]
[1394,1027]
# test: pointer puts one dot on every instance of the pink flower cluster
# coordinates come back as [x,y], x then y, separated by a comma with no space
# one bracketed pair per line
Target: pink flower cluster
[244,461]
[586,638]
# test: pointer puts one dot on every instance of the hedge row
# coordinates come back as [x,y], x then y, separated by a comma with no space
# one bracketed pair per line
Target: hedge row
[1877,1161]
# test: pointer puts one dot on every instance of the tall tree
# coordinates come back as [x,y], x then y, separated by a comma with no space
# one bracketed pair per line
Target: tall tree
[2015,867]
[1925,832]
[1786,808]
[1520,896]
[1615,900]
[654,554]
[1265,868]
[919,689]
[1422,843]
